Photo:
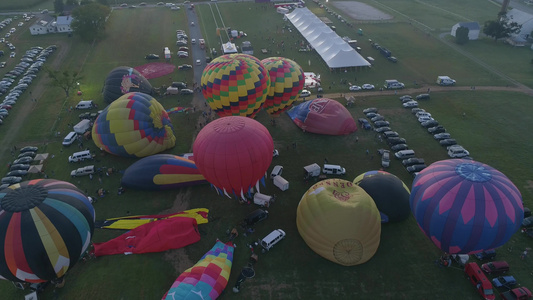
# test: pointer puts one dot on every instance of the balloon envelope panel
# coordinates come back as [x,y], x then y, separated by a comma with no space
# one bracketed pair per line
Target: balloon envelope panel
[45,227]
[235,85]
[286,82]
[123,80]
[389,193]
[339,221]
[323,116]
[233,153]
[465,206]
[162,172]
[135,125]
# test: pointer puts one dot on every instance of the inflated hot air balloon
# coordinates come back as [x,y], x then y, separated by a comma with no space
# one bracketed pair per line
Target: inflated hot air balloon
[162,172]
[339,221]
[45,227]
[235,85]
[323,116]
[286,82]
[135,125]
[207,278]
[233,153]
[389,193]
[123,80]
[465,206]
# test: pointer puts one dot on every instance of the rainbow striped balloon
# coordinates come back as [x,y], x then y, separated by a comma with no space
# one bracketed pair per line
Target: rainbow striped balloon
[45,227]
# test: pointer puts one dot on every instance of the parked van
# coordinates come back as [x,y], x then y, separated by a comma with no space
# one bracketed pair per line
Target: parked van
[255,216]
[80,156]
[70,138]
[281,183]
[393,84]
[276,171]
[85,104]
[479,280]
[445,80]
[271,239]
[333,169]
[83,126]
[403,154]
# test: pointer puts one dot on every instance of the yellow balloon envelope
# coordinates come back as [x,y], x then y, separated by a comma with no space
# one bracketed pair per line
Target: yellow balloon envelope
[338,220]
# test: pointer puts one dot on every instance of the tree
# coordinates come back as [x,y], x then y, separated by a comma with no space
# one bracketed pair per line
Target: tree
[461,35]
[58,6]
[501,29]
[89,20]
[64,79]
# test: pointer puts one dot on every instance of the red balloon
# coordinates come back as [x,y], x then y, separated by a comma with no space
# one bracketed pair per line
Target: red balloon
[233,153]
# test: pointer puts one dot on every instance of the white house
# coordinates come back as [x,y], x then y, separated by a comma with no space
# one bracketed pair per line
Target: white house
[63,24]
[43,25]
[473,29]
[522,18]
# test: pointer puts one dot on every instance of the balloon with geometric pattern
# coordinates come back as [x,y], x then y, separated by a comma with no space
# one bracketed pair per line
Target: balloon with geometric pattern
[286,82]
[235,85]
[123,80]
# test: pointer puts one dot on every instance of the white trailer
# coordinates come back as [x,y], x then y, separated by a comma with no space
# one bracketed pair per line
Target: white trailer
[281,183]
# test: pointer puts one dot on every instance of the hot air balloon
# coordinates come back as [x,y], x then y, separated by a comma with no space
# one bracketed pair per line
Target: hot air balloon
[45,227]
[135,125]
[123,80]
[339,221]
[323,116]
[233,153]
[235,85]
[286,82]
[207,278]
[389,193]
[465,206]
[162,172]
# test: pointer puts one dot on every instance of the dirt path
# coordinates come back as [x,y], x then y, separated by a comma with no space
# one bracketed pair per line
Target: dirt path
[36,90]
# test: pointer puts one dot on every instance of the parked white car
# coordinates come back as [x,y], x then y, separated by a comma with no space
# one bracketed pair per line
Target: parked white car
[305,93]
[410,104]
[367,86]
[355,88]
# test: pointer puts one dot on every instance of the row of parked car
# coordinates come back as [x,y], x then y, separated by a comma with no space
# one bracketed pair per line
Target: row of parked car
[397,144]
[19,167]
[438,131]
[16,81]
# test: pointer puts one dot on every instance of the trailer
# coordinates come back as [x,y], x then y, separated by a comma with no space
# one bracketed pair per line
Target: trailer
[262,199]
[312,170]
[281,183]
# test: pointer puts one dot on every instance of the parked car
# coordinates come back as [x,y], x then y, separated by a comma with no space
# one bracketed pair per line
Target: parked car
[255,216]
[364,123]
[392,58]
[305,93]
[403,97]
[395,141]
[183,54]
[390,134]
[186,92]
[430,123]
[152,56]
[495,267]
[422,97]
[399,147]
[382,129]
[448,142]
[82,171]
[385,159]
[413,161]
[422,119]
[437,129]
[416,168]
[486,255]
[519,293]
[370,109]
[23,160]
[367,86]
[184,67]
[355,88]
[18,173]
[27,154]
[381,123]
[370,115]
[527,222]
[441,136]
[410,104]
[504,281]
[377,118]
[11,180]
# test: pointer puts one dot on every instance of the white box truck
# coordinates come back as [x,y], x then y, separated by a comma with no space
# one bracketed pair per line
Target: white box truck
[83,126]
[312,170]
[281,183]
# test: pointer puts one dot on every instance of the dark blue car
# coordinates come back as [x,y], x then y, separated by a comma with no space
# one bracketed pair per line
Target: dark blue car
[365,124]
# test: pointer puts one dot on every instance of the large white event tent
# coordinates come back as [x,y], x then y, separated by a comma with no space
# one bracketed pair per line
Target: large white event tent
[336,52]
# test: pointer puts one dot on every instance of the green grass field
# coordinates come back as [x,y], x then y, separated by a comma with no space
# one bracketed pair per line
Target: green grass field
[494,130]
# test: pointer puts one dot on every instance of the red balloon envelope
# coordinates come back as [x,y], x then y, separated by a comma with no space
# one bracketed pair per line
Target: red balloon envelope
[233,153]
[323,116]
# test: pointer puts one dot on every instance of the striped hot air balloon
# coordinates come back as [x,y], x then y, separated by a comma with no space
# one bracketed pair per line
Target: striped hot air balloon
[286,82]
[465,206]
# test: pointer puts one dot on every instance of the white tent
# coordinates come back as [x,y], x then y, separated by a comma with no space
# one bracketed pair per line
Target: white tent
[336,52]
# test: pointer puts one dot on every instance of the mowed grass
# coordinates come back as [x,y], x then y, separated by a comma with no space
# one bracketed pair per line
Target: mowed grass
[402,268]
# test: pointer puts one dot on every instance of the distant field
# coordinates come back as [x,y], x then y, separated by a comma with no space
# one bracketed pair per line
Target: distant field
[494,129]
